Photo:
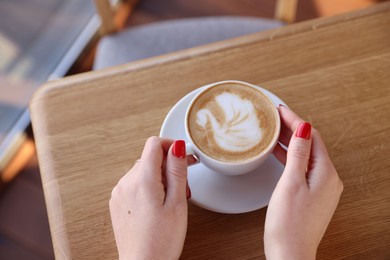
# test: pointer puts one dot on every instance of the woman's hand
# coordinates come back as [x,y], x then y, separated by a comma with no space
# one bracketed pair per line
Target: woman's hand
[306,195]
[149,204]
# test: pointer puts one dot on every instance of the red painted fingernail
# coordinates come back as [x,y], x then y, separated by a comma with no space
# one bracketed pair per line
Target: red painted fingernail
[179,149]
[281,105]
[304,131]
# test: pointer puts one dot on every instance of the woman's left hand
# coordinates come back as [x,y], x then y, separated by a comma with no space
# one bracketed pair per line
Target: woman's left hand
[149,204]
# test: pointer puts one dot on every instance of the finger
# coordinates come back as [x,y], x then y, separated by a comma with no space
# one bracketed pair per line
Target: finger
[289,122]
[298,152]
[192,159]
[176,173]
[166,144]
[135,167]
[280,153]
[285,132]
[126,177]
[152,158]
[319,151]
[319,159]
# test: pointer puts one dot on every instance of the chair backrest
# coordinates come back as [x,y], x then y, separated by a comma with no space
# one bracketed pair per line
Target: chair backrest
[114,17]
[286,10]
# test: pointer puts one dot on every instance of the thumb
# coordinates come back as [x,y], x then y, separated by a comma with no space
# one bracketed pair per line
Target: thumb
[298,152]
[176,172]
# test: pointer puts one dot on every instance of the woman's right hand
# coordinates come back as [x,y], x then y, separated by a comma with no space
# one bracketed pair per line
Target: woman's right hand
[306,195]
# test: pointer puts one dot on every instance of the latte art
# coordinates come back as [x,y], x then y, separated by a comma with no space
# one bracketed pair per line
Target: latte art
[237,129]
[232,122]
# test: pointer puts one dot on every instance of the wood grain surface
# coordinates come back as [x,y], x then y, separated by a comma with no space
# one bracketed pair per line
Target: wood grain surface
[334,72]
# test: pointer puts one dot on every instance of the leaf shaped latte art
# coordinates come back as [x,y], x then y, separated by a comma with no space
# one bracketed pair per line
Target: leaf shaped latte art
[239,130]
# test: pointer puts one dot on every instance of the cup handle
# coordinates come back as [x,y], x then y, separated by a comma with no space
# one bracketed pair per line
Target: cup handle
[192,158]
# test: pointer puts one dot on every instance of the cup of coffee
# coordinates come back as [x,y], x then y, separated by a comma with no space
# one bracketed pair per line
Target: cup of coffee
[231,127]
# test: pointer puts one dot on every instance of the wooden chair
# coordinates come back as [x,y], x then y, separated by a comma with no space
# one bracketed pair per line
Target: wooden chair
[119,46]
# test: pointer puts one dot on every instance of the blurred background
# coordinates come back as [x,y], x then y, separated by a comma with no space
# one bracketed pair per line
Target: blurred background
[42,40]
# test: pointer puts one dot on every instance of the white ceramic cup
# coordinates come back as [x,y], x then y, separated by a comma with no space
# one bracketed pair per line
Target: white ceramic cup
[230,168]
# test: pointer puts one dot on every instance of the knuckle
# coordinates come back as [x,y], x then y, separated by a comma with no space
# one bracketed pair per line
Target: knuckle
[340,186]
[335,180]
[152,145]
[114,193]
[124,184]
[153,140]
[111,204]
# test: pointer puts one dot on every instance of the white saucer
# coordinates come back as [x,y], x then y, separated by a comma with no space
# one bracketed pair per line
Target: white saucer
[215,191]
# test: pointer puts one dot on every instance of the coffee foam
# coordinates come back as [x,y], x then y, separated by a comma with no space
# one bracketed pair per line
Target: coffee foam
[231,122]
[239,129]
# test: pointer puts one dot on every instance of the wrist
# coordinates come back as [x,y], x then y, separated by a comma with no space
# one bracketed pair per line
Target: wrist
[145,256]
[291,253]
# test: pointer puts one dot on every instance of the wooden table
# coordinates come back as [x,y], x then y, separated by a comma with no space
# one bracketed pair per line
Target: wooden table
[334,72]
